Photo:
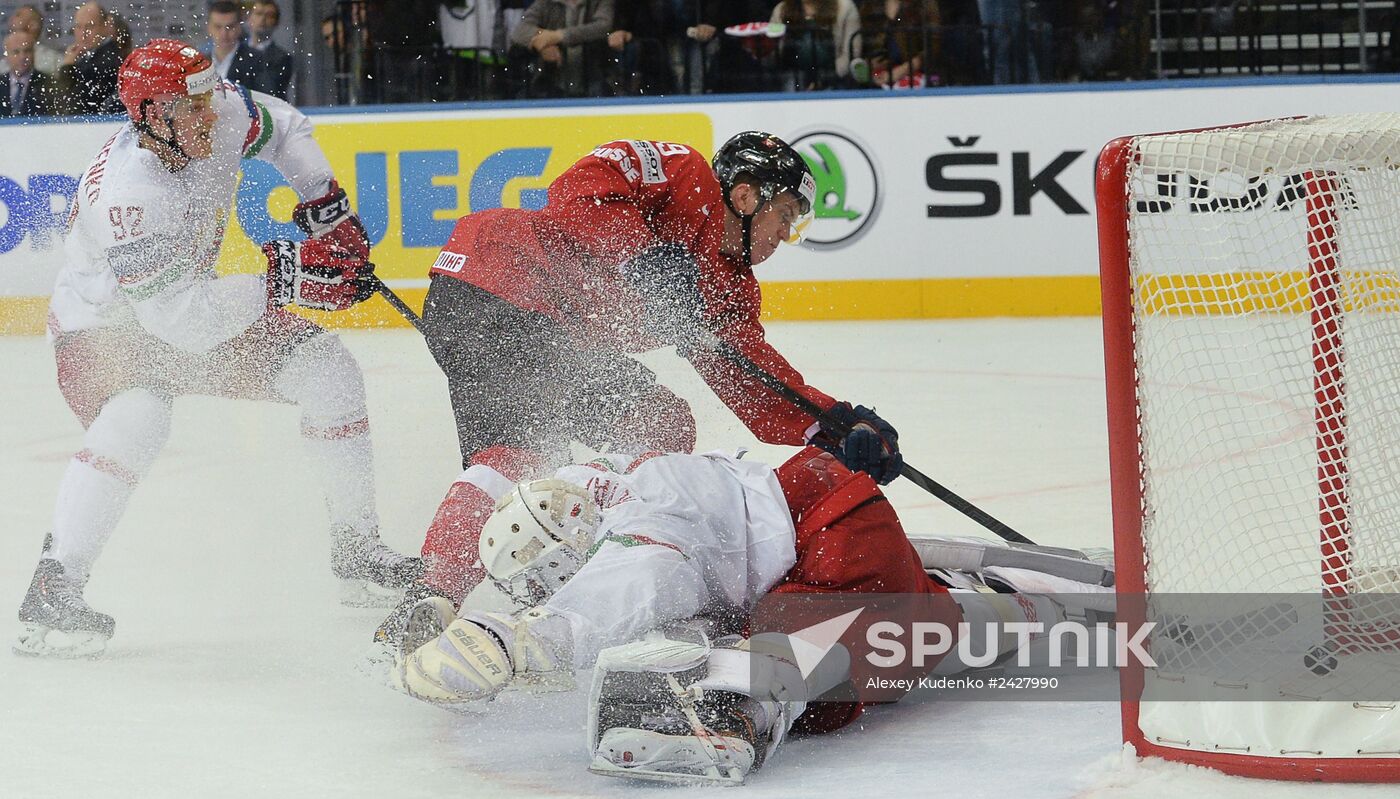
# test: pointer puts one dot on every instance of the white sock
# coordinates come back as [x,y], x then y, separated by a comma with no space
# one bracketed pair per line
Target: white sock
[118,449]
[342,458]
[324,379]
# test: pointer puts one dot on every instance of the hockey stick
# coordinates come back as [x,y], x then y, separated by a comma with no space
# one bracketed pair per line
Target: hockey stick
[918,478]
[399,305]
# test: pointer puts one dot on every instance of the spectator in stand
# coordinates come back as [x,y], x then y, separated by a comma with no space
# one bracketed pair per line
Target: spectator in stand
[121,32]
[1387,58]
[821,39]
[233,58]
[739,63]
[639,40]
[24,91]
[1005,24]
[88,74]
[962,43]
[568,39]
[403,38]
[903,40]
[692,38]
[1094,44]
[27,19]
[348,42]
[278,65]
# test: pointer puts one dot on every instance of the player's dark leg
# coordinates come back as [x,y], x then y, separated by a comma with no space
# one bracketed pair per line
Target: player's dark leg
[616,403]
[499,361]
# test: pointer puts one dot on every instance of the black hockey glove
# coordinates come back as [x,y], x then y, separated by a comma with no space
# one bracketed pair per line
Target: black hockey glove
[871,446]
[668,280]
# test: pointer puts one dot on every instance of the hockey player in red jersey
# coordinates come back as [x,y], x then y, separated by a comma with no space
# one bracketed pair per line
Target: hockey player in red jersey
[139,317]
[532,315]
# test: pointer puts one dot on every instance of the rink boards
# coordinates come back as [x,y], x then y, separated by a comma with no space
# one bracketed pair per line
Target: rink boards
[959,203]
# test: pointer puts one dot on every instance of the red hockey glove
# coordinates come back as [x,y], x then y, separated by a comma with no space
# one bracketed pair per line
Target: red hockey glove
[330,219]
[315,274]
[871,446]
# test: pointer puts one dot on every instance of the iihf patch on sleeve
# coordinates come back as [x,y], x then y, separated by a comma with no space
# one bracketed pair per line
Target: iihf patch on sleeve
[449,262]
[651,161]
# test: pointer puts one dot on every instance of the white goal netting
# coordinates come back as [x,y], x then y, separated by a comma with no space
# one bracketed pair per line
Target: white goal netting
[1264,269]
[1227,275]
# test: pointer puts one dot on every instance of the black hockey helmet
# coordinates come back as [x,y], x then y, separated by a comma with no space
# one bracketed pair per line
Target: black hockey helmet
[767,161]
[774,167]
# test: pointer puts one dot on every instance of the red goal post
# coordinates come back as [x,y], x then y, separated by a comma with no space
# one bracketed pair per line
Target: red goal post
[1251,314]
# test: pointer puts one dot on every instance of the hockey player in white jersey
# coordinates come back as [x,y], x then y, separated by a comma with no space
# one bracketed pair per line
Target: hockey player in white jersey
[604,562]
[139,317]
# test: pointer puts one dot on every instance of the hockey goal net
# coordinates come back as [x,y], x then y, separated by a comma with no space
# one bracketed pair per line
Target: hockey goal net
[1251,290]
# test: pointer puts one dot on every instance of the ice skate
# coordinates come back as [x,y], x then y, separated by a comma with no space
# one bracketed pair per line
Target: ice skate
[372,575]
[426,621]
[389,636]
[722,740]
[55,621]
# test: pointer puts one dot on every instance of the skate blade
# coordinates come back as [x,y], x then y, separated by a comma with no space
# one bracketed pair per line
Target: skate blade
[425,623]
[36,640]
[365,594]
[606,768]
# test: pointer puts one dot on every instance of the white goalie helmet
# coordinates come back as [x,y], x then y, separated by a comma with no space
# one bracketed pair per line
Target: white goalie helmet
[537,538]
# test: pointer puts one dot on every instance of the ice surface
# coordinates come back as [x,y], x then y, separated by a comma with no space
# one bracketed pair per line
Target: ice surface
[234,673]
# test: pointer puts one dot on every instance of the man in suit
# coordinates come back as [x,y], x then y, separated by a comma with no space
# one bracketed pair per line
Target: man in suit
[88,75]
[24,92]
[277,63]
[27,19]
[233,58]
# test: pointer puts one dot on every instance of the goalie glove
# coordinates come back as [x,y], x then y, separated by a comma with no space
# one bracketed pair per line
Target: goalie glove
[871,446]
[481,654]
[315,274]
[668,280]
[329,219]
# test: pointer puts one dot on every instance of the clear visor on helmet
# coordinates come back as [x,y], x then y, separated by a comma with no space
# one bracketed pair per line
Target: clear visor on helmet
[798,225]
[797,230]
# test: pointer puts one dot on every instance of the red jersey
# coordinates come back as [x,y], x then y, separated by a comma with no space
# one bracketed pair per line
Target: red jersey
[564,261]
[850,541]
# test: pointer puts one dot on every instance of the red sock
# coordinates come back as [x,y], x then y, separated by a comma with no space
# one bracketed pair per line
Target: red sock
[451,557]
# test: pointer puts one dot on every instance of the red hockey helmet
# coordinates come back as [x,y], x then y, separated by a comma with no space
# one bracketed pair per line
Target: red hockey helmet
[162,69]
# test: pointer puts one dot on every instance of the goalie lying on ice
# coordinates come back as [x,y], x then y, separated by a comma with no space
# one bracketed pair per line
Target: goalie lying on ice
[648,571]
